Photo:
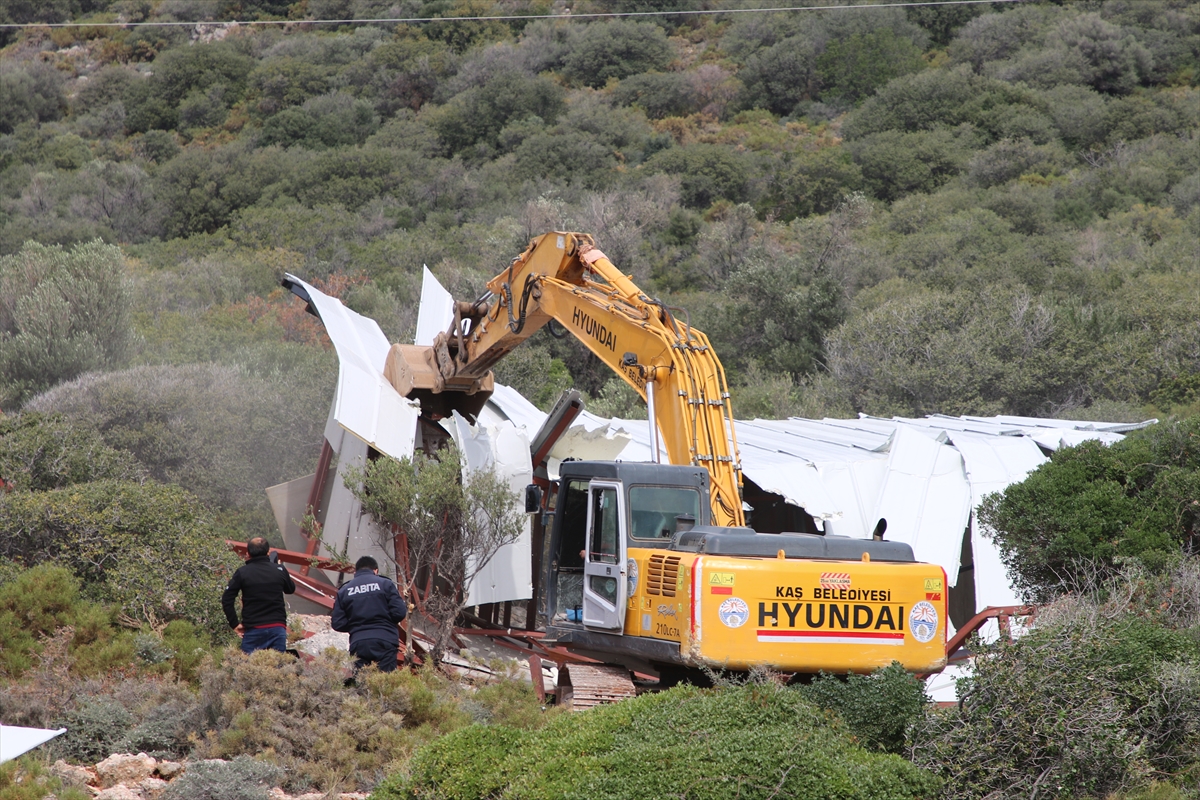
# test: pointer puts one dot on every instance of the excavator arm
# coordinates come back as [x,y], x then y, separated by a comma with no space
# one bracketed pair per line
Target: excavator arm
[563,277]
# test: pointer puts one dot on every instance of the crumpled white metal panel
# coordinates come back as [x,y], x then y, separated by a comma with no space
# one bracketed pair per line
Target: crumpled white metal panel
[925,498]
[992,463]
[504,448]
[365,403]
[437,309]
[16,741]
[798,482]
[853,484]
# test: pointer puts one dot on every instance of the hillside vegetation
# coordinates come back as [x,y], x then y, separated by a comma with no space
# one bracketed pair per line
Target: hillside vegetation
[977,209]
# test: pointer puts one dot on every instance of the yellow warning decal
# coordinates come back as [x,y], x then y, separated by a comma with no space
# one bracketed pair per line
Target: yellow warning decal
[933,584]
[721,579]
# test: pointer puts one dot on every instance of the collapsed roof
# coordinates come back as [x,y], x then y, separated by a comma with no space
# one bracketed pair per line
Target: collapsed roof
[924,477]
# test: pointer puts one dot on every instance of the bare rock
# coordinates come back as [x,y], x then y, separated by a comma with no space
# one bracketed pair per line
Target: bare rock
[310,796]
[169,769]
[319,642]
[275,793]
[123,768]
[72,775]
[152,788]
[118,792]
[352,796]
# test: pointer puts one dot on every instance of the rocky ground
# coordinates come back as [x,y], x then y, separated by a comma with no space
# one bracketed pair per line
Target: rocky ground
[128,776]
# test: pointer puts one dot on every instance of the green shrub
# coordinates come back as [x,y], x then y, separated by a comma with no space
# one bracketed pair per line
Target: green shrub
[41,451]
[62,312]
[464,765]
[268,432]
[753,741]
[319,731]
[878,708]
[244,778]
[151,550]
[1098,698]
[189,648]
[616,49]
[95,729]
[1075,515]
[707,173]
[27,779]
[477,115]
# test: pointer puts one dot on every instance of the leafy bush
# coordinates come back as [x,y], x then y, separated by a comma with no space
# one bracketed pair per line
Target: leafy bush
[62,312]
[152,550]
[894,164]
[878,708]
[26,779]
[616,49]
[244,778]
[31,91]
[477,115]
[755,740]
[268,431]
[707,173]
[317,731]
[659,94]
[1099,697]
[1092,504]
[855,67]
[40,452]
[95,729]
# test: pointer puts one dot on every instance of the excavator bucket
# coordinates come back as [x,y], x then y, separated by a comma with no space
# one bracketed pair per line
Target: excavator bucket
[412,370]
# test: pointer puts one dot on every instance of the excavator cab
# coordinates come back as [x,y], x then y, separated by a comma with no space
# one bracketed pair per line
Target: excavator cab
[602,509]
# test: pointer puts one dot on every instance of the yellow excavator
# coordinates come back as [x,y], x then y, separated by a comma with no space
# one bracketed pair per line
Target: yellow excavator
[650,566]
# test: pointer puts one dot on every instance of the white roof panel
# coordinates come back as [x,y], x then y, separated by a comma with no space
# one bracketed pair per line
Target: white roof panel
[16,741]
[364,403]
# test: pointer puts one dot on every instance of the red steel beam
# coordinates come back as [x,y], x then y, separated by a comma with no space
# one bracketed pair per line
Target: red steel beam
[300,559]
[314,498]
[999,613]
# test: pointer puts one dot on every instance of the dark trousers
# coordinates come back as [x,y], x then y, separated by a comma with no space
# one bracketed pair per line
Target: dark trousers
[264,639]
[379,652]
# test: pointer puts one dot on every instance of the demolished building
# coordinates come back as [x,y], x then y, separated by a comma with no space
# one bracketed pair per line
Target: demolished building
[921,479]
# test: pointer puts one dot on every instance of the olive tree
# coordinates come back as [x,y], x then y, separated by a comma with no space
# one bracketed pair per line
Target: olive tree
[453,525]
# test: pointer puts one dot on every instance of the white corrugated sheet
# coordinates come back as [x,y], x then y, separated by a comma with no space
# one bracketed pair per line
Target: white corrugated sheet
[503,448]
[365,402]
[16,741]
[924,476]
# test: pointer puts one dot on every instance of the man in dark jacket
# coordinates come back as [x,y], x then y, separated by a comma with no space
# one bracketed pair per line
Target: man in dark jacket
[369,608]
[262,583]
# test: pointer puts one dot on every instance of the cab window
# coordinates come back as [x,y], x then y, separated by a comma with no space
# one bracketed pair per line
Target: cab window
[653,510]
[604,543]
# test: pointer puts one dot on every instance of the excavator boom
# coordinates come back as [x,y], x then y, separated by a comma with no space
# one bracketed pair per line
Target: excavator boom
[564,277]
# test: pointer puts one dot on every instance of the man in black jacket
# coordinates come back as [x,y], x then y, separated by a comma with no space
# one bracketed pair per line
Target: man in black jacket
[262,583]
[369,608]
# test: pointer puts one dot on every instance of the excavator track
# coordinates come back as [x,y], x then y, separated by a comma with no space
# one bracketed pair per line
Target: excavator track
[584,686]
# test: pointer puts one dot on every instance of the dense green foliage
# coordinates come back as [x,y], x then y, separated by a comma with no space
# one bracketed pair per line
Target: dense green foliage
[1076,516]
[151,550]
[1099,697]
[62,312]
[757,740]
[901,210]
[878,708]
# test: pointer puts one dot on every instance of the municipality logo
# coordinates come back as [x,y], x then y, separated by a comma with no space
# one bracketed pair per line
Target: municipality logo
[923,621]
[734,612]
